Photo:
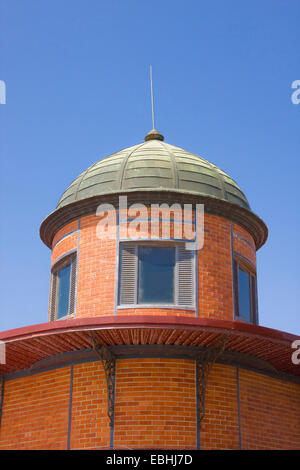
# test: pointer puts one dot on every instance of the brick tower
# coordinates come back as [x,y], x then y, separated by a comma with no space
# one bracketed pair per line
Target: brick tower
[152,339]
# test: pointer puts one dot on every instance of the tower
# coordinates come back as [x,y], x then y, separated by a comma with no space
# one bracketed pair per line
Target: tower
[152,339]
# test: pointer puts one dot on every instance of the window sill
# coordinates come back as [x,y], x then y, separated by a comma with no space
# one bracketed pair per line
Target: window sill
[243,320]
[160,306]
[66,317]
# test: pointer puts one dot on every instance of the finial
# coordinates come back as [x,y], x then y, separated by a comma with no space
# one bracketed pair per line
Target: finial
[154,135]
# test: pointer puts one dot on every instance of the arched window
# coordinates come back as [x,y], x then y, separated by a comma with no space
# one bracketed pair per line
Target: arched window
[63,284]
[245,292]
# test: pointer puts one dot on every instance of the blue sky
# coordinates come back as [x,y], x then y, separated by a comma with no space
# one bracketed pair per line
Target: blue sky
[77,77]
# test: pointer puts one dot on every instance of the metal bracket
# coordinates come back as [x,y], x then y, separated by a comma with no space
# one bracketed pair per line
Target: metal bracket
[1,396]
[205,361]
[109,365]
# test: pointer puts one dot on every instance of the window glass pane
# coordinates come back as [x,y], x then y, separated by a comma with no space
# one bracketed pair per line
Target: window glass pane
[244,295]
[63,291]
[156,275]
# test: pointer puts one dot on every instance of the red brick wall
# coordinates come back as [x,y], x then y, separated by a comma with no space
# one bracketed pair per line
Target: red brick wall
[270,412]
[90,426]
[68,228]
[220,426]
[35,411]
[64,246]
[96,271]
[243,243]
[215,270]
[155,404]
[97,268]
[155,407]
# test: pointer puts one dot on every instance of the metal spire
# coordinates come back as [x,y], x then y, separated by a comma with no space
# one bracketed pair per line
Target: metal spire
[152,102]
[154,134]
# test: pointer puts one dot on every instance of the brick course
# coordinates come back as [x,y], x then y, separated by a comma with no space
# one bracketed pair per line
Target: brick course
[270,412]
[90,426]
[35,411]
[155,404]
[155,407]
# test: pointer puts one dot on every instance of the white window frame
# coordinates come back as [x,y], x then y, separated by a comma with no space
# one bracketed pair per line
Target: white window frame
[179,295]
[240,263]
[65,260]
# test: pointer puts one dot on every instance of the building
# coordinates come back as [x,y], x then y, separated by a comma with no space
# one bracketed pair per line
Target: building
[151,344]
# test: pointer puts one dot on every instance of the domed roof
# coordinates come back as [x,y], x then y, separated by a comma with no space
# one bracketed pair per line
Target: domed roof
[154,165]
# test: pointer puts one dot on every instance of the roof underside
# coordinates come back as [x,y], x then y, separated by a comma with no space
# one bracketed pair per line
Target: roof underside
[27,346]
[154,165]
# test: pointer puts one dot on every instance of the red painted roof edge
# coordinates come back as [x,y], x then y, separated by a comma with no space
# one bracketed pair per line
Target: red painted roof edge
[144,321]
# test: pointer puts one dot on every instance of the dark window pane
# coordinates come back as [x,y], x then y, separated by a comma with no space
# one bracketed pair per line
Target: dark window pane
[63,291]
[156,275]
[244,295]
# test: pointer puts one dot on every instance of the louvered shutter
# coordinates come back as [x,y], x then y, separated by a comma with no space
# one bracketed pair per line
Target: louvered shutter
[128,273]
[52,309]
[185,279]
[72,286]
[253,297]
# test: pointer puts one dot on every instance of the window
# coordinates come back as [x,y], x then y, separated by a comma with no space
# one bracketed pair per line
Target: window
[62,297]
[156,274]
[245,292]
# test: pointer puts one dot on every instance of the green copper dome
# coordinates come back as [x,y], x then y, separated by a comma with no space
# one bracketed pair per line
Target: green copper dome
[154,165]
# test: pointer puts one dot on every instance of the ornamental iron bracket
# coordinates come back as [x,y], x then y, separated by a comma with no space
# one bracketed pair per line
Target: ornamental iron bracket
[1,396]
[205,361]
[109,365]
